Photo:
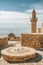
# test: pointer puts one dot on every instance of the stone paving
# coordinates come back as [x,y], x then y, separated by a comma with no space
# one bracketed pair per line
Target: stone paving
[38,60]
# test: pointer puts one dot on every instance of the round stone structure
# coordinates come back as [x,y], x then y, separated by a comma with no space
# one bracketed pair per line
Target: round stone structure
[13,54]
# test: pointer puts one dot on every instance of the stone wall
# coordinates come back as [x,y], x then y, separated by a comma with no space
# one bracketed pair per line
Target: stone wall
[32,40]
[17,39]
[3,41]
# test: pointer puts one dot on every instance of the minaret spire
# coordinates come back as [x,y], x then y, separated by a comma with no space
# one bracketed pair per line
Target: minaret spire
[33,14]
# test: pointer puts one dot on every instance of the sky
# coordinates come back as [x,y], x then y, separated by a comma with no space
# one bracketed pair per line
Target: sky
[15,15]
[20,5]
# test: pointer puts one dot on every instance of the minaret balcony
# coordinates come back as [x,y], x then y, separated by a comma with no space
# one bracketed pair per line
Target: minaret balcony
[31,19]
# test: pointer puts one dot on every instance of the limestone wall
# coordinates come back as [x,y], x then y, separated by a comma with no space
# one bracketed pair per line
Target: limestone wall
[3,41]
[32,40]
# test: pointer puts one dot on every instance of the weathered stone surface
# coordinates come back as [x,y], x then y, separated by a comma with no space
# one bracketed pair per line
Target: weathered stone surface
[18,53]
[39,30]
[32,40]
[38,60]
[13,59]
[3,41]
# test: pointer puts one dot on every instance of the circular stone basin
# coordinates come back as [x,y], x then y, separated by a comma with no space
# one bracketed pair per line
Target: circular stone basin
[18,53]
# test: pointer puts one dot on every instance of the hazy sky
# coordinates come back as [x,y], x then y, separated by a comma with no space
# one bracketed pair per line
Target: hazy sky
[17,14]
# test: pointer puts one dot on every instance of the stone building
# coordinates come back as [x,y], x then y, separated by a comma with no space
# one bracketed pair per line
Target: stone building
[39,30]
[33,21]
[11,37]
[34,40]
[3,41]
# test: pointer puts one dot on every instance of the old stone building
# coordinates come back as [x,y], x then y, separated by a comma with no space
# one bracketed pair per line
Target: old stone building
[3,41]
[33,22]
[11,37]
[39,30]
[34,39]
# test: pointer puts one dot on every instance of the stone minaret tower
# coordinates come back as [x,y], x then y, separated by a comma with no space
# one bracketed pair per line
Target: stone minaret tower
[42,28]
[33,22]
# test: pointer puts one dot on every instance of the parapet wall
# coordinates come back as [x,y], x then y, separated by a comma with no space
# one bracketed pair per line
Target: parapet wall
[32,40]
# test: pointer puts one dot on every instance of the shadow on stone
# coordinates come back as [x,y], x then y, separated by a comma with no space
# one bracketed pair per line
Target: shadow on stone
[36,59]
[41,49]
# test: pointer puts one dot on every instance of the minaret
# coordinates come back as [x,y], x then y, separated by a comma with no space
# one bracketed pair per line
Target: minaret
[33,22]
[42,28]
